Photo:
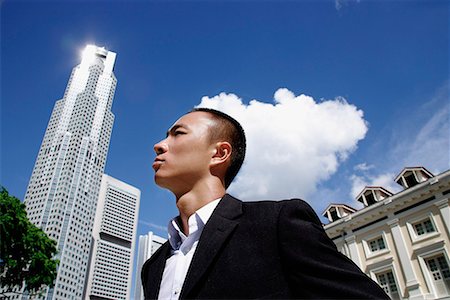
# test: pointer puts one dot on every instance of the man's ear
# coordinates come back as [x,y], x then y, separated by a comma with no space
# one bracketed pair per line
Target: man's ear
[222,153]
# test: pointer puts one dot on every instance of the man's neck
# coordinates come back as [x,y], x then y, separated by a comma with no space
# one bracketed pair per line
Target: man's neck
[195,199]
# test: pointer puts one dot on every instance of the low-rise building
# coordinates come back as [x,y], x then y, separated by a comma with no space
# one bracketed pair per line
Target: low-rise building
[400,240]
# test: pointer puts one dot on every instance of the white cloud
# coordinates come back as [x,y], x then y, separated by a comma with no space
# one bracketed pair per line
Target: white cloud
[338,4]
[358,183]
[292,144]
[430,147]
[423,138]
[363,167]
[154,226]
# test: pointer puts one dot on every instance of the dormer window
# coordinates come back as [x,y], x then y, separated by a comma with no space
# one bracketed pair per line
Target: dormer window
[373,194]
[335,212]
[412,176]
[370,199]
[411,180]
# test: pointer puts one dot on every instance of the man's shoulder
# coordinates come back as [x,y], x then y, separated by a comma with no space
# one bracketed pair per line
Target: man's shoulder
[286,208]
[293,203]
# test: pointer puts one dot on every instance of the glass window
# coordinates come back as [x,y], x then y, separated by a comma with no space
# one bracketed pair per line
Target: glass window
[370,198]
[424,227]
[377,244]
[440,273]
[411,180]
[334,215]
[387,283]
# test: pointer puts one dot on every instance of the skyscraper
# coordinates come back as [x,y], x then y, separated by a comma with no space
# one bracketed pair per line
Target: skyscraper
[114,239]
[148,244]
[63,190]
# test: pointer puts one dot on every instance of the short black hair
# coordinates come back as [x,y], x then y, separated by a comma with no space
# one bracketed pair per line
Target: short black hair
[228,129]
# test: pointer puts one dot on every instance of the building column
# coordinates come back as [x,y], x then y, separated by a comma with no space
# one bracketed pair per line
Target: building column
[445,212]
[412,284]
[353,249]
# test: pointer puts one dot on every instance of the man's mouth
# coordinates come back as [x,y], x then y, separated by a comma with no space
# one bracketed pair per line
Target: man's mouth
[157,164]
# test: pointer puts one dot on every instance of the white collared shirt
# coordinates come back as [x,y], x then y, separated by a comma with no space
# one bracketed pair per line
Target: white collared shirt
[183,249]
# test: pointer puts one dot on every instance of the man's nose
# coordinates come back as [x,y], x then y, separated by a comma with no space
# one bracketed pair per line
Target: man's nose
[160,147]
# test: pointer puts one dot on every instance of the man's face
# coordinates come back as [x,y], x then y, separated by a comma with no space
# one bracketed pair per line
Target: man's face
[183,157]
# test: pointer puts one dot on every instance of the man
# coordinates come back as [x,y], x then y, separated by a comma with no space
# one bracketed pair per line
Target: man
[220,247]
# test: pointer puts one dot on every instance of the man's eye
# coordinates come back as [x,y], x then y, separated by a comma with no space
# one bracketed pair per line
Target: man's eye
[179,132]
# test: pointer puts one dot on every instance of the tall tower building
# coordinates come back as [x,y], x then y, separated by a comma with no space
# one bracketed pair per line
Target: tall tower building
[114,239]
[63,190]
[148,244]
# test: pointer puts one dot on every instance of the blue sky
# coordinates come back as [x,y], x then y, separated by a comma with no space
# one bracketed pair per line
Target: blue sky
[389,60]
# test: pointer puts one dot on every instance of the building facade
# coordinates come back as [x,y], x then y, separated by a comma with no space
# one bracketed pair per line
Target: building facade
[148,244]
[63,189]
[114,240]
[400,240]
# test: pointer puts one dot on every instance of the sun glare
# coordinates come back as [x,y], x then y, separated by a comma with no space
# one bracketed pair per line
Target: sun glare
[88,54]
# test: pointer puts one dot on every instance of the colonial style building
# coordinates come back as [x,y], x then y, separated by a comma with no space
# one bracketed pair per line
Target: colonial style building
[400,240]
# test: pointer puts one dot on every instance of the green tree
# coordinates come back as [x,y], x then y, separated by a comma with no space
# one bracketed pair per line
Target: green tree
[26,252]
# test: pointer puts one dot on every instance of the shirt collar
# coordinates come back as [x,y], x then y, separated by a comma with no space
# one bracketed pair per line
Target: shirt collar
[196,223]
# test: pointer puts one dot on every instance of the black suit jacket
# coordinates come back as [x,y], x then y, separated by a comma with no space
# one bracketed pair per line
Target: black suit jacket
[264,249]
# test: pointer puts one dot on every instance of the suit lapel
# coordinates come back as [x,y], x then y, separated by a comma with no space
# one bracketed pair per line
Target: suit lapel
[154,269]
[216,231]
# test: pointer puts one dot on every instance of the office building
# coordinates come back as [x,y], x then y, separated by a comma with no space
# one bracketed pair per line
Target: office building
[148,244]
[114,240]
[400,240]
[63,189]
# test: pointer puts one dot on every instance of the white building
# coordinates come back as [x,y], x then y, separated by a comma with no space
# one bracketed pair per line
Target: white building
[114,240]
[63,190]
[148,244]
[400,240]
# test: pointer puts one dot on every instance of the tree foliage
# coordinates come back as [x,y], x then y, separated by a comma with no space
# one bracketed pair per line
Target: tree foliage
[26,252]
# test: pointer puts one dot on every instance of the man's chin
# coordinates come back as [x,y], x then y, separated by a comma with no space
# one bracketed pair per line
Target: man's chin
[157,179]
[167,183]
[161,181]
